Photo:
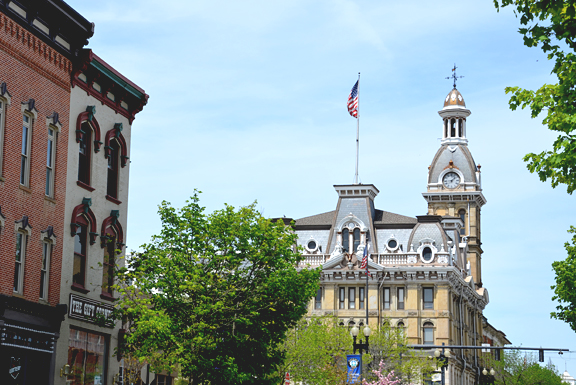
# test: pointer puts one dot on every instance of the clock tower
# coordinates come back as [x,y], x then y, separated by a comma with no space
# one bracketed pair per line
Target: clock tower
[454,187]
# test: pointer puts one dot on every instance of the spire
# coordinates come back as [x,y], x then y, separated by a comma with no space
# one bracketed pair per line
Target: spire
[454,114]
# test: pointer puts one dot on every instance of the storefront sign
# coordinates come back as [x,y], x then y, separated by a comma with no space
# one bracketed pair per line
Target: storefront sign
[90,311]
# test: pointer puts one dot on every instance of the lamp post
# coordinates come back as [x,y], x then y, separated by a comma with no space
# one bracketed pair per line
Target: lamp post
[360,346]
[486,379]
[442,356]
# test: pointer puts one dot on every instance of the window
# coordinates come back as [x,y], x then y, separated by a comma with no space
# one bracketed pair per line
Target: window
[400,327]
[361,293]
[400,296]
[45,269]
[50,156]
[351,298]
[462,215]
[108,266]
[342,297]
[346,240]
[25,155]
[87,354]
[80,240]
[428,333]
[386,298]
[113,161]
[85,154]
[427,254]
[318,300]
[428,296]
[2,123]
[356,238]
[19,264]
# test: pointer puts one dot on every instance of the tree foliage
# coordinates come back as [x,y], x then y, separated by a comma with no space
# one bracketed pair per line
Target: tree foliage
[316,353]
[551,26]
[215,294]
[523,369]
[565,288]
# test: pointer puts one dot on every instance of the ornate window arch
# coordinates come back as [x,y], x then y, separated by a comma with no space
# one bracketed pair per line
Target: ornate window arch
[115,150]
[111,238]
[428,332]
[87,127]
[355,229]
[83,227]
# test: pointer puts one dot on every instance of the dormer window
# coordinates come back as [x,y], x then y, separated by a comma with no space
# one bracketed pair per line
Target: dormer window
[427,254]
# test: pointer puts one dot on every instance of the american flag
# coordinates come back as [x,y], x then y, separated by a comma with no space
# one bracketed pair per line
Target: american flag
[353,101]
[365,259]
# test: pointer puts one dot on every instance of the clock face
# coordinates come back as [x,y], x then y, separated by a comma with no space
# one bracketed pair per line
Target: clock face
[451,180]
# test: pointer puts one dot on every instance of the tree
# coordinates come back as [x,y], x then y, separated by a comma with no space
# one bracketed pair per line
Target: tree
[214,294]
[551,25]
[389,379]
[316,353]
[523,369]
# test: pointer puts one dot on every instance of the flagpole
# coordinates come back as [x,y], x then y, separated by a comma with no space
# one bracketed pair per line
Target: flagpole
[366,296]
[357,132]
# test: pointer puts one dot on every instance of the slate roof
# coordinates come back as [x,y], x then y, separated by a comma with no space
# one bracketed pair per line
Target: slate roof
[324,219]
[385,217]
[380,217]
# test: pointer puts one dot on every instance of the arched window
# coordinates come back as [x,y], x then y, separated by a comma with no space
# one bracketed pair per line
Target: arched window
[356,238]
[113,161]
[84,154]
[462,215]
[109,263]
[112,237]
[80,252]
[83,229]
[23,229]
[452,127]
[87,133]
[445,128]
[428,333]
[345,240]
[427,254]
[460,129]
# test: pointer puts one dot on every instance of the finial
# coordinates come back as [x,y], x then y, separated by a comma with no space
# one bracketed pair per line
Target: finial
[454,75]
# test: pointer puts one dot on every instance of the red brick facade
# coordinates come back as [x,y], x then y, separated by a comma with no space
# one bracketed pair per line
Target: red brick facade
[32,70]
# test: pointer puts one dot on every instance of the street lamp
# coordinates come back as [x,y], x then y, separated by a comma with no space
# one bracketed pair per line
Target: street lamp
[485,372]
[360,346]
[442,356]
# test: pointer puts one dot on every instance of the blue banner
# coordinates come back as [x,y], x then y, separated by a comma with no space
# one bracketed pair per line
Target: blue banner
[354,365]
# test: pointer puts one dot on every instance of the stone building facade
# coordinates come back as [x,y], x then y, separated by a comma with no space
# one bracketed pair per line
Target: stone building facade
[424,272]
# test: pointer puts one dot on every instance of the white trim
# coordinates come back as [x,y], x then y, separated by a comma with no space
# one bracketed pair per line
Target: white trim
[25,178]
[47,247]
[308,242]
[54,139]
[23,234]
[427,243]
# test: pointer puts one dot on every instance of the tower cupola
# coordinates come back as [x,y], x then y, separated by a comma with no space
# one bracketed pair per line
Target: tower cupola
[454,116]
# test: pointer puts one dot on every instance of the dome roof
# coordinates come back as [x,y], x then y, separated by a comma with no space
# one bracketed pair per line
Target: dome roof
[454,98]
[426,231]
[461,160]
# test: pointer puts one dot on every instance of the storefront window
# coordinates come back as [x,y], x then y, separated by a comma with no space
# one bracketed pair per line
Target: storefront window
[87,358]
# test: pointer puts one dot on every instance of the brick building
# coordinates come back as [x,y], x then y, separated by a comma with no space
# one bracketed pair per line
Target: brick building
[55,99]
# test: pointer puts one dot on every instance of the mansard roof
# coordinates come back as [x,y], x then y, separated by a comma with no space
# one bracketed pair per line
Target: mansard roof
[381,219]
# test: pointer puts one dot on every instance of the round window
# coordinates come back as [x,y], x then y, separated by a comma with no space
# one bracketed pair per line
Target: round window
[427,254]
[312,245]
[392,244]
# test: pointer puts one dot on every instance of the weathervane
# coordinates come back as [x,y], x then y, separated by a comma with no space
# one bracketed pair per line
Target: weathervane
[454,75]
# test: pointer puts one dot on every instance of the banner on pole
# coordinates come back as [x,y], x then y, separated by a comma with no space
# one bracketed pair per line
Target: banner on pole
[354,365]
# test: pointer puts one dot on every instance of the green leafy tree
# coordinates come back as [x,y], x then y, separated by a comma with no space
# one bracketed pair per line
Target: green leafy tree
[316,353]
[215,295]
[516,368]
[551,26]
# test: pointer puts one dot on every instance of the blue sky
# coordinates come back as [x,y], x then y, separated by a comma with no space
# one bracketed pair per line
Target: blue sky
[248,102]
